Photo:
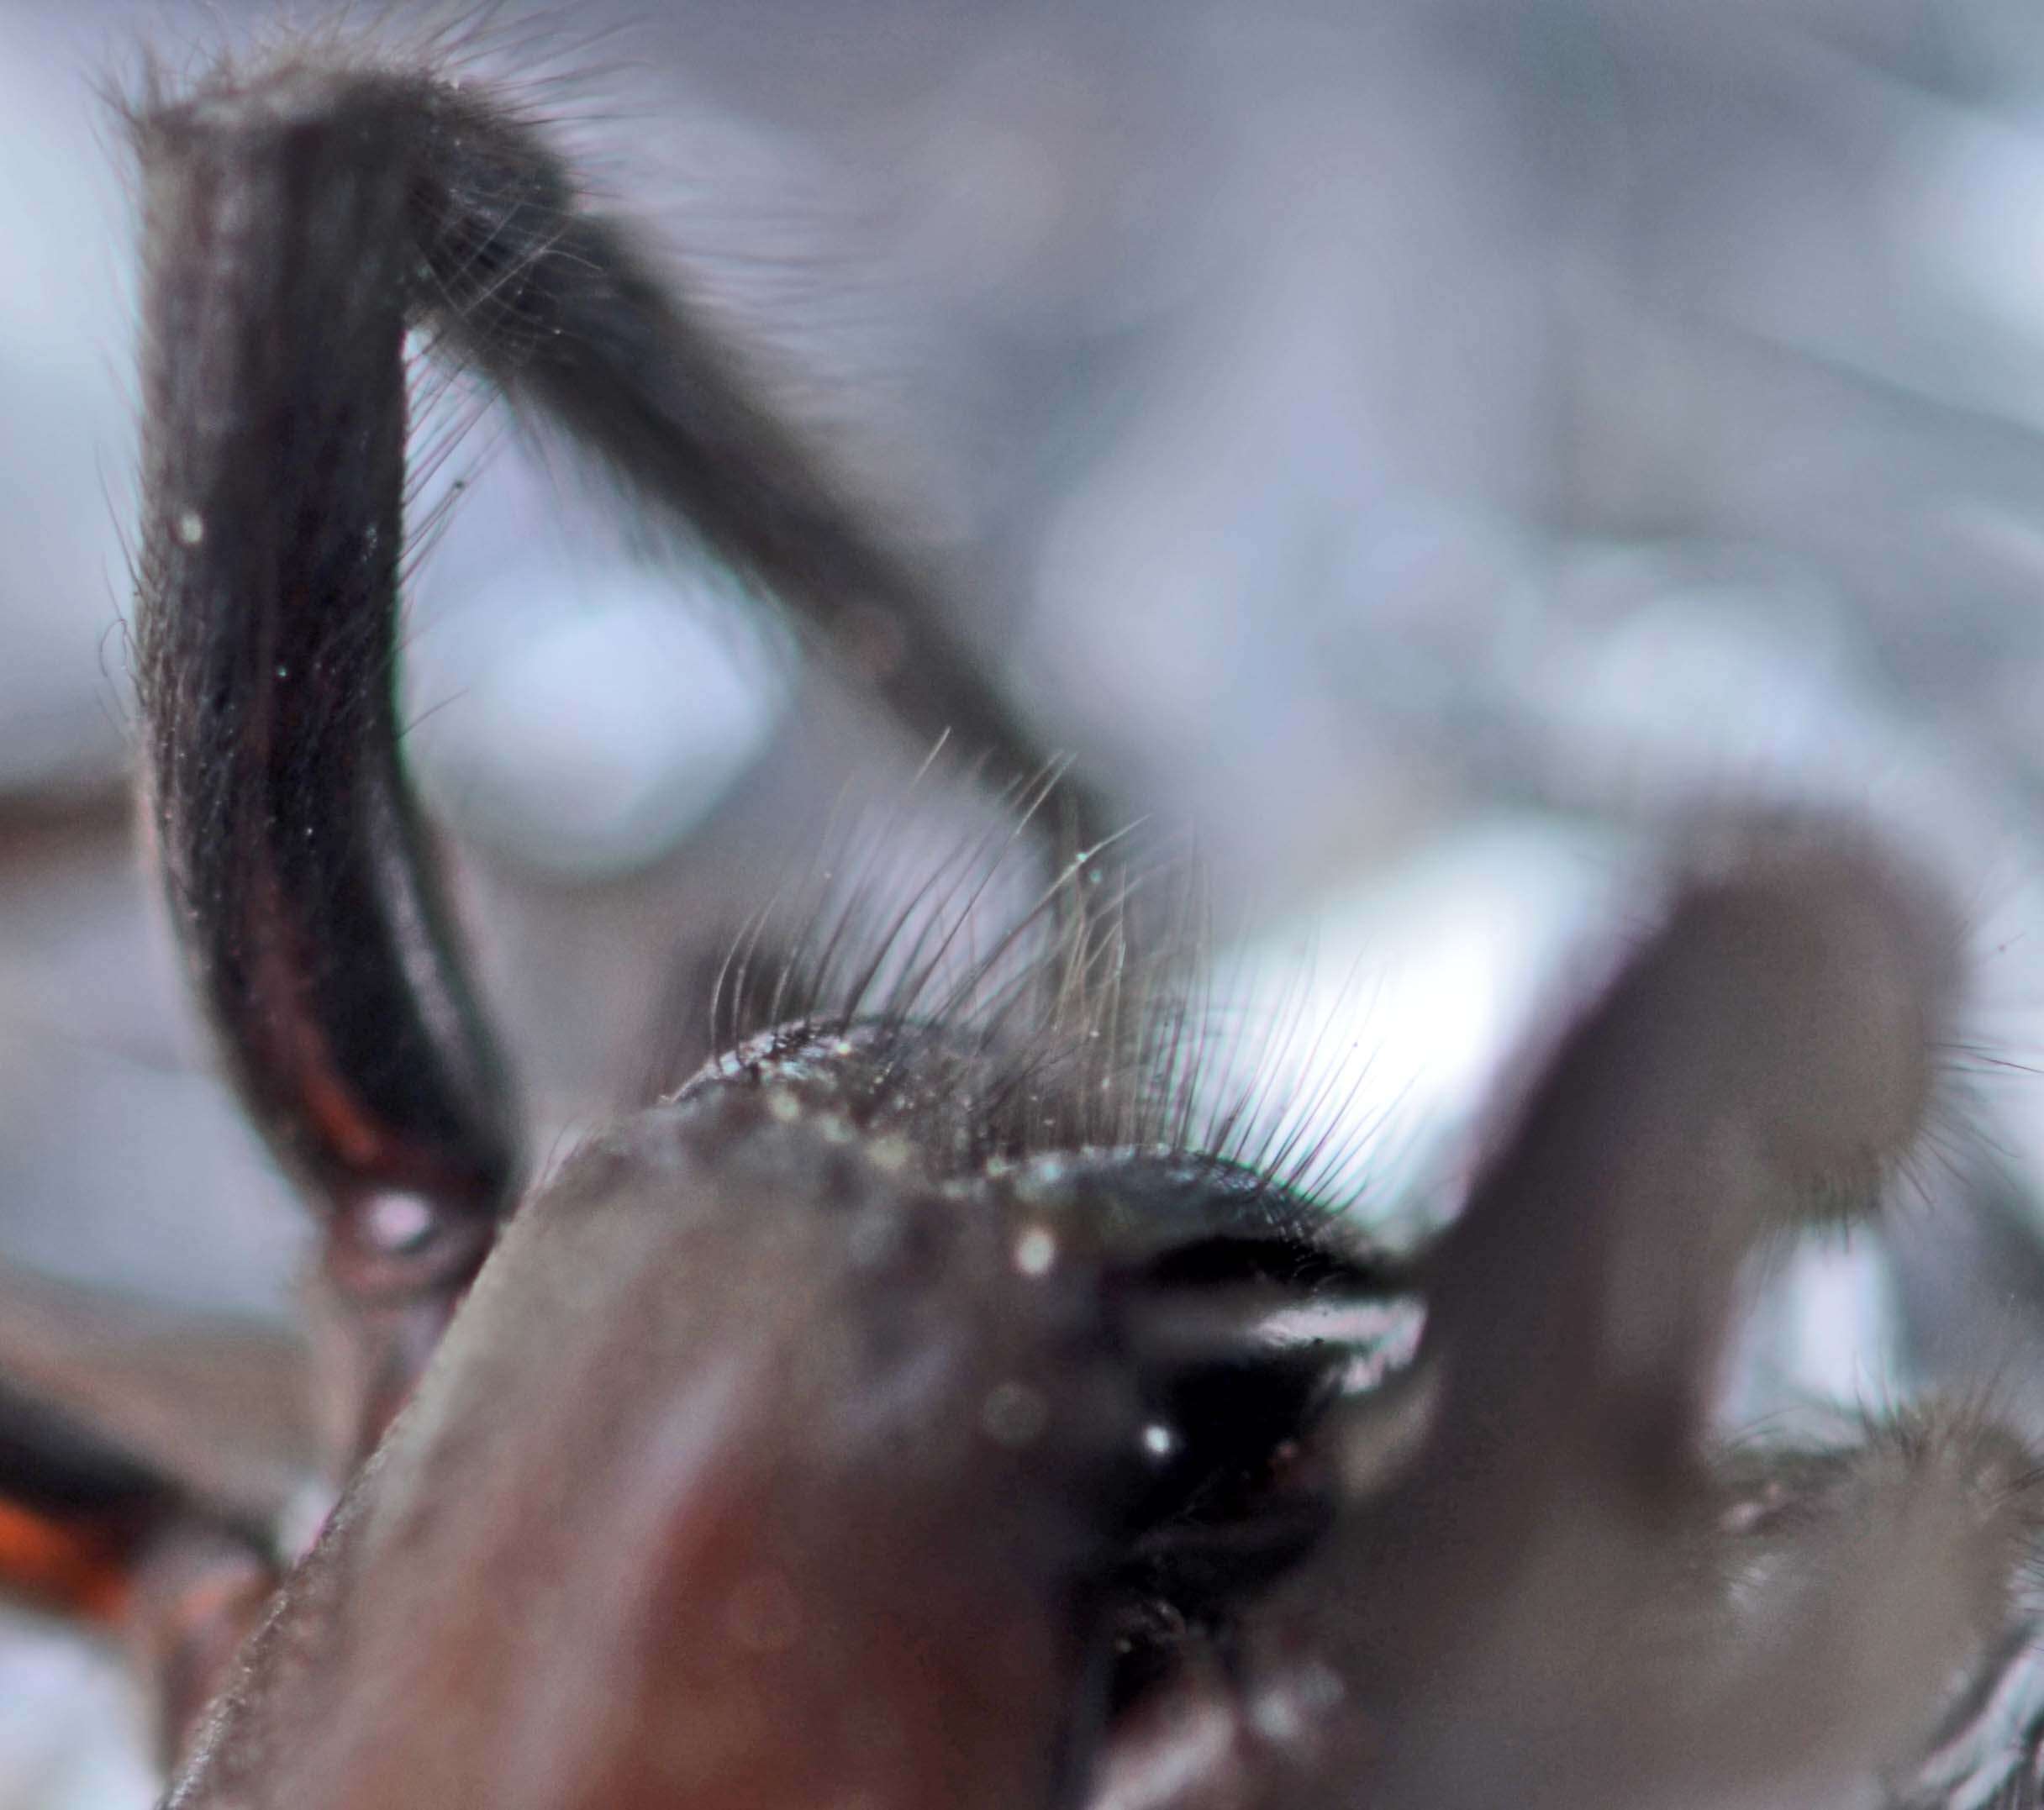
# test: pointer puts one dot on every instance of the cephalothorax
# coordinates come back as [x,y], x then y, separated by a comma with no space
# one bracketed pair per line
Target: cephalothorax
[921,1406]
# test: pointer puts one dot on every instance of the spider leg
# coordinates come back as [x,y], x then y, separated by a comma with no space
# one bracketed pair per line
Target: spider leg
[89,1532]
[74,1512]
[301,882]
[299,219]
[219,1407]
[150,1469]
[1544,1586]
[561,304]
[1870,1600]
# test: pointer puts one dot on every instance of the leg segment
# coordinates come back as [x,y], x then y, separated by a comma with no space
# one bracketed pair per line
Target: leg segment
[299,220]
[277,264]
[1544,1586]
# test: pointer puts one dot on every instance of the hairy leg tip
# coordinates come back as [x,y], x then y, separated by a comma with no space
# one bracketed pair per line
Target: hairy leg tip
[1820,973]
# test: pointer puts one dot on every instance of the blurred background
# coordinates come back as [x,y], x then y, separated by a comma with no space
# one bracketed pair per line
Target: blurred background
[1410,444]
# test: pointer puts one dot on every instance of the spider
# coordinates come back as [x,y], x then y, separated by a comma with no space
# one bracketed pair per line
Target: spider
[920,1404]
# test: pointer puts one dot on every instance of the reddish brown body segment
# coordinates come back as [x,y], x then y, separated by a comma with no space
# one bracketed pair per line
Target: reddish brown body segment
[700,1507]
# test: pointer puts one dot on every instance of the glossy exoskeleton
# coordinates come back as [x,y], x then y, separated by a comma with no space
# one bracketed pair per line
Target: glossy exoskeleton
[923,1405]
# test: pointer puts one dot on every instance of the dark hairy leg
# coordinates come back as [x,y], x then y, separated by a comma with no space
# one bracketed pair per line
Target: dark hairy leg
[299,220]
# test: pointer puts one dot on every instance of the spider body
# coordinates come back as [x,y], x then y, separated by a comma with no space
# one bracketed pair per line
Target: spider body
[912,1408]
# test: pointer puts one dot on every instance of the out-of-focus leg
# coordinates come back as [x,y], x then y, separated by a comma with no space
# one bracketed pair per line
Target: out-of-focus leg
[1544,1586]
